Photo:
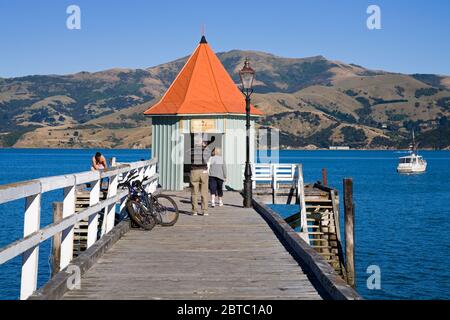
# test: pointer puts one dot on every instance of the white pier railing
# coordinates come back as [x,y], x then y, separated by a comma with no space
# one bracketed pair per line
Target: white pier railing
[34,235]
[273,173]
[276,173]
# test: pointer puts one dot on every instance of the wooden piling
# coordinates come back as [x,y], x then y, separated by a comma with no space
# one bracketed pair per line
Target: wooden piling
[324,177]
[349,219]
[56,244]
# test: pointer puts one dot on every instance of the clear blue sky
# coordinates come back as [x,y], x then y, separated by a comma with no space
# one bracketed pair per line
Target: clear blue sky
[415,34]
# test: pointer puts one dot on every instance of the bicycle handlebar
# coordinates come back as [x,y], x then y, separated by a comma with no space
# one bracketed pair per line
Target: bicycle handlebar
[127,182]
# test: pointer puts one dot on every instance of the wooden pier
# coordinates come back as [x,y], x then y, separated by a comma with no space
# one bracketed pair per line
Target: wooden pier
[230,254]
[234,253]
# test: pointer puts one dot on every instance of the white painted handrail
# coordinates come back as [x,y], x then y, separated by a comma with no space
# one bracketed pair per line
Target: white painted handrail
[34,235]
[273,173]
[301,200]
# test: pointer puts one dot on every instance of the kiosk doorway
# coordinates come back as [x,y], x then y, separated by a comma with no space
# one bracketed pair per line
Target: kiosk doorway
[212,139]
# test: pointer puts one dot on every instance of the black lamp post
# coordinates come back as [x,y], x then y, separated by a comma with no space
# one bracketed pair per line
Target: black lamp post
[247,75]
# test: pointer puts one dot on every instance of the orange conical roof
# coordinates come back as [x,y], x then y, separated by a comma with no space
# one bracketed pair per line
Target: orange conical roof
[203,86]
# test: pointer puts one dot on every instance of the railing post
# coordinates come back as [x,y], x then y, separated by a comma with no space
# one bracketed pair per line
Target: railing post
[123,201]
[274,176]
[30,258]
[154,184]
[147,173]
[349,219]
[94,198]
[122,205]
[56,242]
[301,200]
[110,211]
[67,235]
[141,173]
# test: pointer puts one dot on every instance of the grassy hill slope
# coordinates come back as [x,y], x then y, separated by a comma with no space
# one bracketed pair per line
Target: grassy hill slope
[313,101]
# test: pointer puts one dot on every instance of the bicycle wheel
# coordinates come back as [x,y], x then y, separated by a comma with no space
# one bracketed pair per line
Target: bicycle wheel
[166,209]
[140,216]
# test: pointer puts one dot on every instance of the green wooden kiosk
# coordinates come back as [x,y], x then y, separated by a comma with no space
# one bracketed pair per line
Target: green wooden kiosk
[203,99]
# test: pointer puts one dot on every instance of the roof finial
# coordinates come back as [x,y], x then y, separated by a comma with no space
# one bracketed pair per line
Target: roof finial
[203,40]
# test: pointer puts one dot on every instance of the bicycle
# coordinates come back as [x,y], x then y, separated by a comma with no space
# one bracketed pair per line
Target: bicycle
[163,208]
[137,212]
[146,209]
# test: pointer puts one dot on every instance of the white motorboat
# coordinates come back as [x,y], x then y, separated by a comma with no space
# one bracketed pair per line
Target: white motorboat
[413,163]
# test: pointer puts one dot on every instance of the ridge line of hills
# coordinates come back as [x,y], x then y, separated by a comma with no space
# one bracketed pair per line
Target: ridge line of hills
[314,102]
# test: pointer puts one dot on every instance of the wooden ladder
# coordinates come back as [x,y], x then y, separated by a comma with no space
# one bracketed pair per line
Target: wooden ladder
[322,217]
[80,236]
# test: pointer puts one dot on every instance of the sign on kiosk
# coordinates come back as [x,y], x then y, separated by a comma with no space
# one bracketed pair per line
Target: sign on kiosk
[203,125]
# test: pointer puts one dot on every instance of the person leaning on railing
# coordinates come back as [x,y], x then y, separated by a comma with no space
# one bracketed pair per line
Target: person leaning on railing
[99,163]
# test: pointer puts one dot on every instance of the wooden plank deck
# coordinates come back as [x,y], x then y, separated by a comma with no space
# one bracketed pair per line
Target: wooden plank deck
[230,254]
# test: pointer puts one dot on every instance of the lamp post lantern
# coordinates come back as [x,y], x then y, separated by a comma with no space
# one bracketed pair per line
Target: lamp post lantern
[247,75]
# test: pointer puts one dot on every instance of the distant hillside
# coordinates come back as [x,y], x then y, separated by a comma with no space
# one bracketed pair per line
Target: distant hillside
[315,102]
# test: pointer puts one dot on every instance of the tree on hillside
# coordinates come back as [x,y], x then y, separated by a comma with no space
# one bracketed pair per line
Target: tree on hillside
[443,122]
[354,137]
[411,125]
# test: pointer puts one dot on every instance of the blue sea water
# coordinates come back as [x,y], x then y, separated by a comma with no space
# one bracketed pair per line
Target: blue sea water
[25,164]
[402,222]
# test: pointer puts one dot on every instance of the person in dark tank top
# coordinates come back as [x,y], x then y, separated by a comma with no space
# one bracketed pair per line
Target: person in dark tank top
[200,154]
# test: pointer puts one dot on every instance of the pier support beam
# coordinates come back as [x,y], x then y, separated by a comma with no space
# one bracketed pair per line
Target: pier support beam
[349,210]
[324,177]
